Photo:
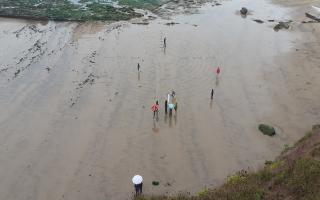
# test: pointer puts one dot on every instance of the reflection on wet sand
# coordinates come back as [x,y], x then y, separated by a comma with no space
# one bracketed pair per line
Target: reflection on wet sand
[155,129]
[170,121]
[217,80]
[165,118]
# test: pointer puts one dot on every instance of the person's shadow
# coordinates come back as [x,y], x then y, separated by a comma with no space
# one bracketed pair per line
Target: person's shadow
[217,80]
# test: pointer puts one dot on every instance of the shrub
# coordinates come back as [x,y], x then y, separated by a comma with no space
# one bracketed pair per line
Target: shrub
[204,193]
[305,178]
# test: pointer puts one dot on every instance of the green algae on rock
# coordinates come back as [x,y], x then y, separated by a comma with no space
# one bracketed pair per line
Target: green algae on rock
[64,10]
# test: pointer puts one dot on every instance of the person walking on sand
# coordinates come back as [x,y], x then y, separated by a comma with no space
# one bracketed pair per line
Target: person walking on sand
[169,98]
[155,109]
[175,104]
[166,106]
[218,71]
[212,92]
[138,67]
[137,181]
[165,42]
[173,93]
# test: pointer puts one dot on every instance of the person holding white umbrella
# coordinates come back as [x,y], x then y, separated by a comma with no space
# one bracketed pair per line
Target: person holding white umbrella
[137,181]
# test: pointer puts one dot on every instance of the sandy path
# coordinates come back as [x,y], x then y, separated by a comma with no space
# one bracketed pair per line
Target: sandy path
[81,129]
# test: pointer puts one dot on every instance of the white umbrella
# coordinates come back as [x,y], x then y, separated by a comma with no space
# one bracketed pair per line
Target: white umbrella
[137,179]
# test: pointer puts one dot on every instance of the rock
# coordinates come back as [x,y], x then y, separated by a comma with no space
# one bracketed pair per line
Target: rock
[316,127]
[17,73]
[258,21]
[155,183]
[267,130]
[152,17]
[244,11]
[141,23]
[168,184]
[282,25]
[313,16]
[171,23]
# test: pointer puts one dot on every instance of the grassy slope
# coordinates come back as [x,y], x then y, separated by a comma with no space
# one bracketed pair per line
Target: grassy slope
[295,174]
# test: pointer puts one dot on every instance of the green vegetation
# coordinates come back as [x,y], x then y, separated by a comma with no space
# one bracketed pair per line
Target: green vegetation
[147,4]
[155,183]
[64,10]
[294,175]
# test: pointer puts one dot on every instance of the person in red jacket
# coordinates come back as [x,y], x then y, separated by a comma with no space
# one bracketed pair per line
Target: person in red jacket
[155,109]
[218,70]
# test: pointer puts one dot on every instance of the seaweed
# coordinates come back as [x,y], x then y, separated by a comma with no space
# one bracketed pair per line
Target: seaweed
[64,10]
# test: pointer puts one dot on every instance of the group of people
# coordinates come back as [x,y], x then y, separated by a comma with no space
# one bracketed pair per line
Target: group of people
[170,104]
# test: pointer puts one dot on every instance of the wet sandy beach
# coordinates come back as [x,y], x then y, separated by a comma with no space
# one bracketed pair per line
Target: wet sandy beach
[75,117]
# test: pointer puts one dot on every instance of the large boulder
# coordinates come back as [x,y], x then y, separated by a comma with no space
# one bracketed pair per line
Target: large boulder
[244,11]
[282,25]
[267,130]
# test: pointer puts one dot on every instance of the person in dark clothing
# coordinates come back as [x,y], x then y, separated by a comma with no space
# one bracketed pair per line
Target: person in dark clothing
[138,188]
[165,106]
[157,112]
[212,92]
[173,93]
[165,42]
[176,106]
[138,67]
